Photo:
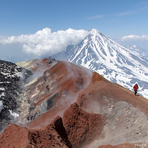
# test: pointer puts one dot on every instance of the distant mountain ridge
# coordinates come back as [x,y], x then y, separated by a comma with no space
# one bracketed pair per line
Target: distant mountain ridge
[113,61]
[138,50]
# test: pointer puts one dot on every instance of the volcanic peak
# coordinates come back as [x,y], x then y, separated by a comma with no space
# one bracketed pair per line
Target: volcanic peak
[94,31]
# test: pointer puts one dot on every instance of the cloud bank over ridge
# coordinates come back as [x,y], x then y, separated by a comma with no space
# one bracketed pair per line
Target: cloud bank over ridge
[44,41]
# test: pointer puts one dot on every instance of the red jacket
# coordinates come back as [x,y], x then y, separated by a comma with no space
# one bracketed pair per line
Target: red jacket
[135,87]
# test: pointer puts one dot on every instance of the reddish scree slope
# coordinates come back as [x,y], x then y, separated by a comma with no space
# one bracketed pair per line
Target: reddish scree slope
[52,135]
[104,115]
[126,114]
[64,82]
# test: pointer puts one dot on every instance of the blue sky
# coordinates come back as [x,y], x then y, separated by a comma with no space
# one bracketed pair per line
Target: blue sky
[124,21]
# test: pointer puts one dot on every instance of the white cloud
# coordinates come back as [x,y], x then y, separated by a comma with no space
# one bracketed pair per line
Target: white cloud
[140,41]
[43,41]
[135,38]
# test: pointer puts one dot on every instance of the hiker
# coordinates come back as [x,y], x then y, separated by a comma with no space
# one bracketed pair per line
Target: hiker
[135,87]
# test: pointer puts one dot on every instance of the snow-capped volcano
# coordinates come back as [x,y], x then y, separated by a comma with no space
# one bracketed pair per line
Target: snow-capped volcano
[113,61]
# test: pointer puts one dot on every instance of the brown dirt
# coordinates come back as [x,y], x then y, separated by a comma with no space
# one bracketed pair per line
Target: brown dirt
[127,114]
[82,127]
[126,145]
[96,77]
[100,89]
[51,136]
[14,136]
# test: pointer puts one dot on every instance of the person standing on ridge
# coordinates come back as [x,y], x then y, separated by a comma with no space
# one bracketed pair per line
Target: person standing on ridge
[135,87]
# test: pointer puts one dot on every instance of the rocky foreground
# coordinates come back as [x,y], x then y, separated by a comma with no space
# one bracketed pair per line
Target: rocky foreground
[12,78]
[67,106]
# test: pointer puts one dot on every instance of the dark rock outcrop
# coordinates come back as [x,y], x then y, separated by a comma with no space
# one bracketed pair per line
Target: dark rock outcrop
[12,79]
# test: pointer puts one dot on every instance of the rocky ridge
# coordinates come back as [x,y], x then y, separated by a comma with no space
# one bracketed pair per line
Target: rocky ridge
[67,105]
[12,78]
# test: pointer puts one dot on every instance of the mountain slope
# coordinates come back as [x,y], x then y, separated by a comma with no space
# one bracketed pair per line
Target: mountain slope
[57,86]
[12,78]
[113,61]
[102,114]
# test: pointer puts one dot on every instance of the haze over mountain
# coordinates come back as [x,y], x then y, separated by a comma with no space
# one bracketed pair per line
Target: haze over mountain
[113,61]
[138,50]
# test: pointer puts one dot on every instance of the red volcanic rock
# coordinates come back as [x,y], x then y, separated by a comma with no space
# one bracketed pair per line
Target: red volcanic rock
[82,127]
[102,91]
[51,136]
[96,77]
[14,136]
[126,145]
[126,114]
[59,87]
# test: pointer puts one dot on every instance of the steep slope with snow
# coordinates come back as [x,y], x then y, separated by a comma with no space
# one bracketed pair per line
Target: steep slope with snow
[113,61]
[12,78]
